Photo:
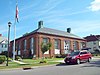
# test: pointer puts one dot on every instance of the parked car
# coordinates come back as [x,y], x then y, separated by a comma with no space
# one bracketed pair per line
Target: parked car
[78,57]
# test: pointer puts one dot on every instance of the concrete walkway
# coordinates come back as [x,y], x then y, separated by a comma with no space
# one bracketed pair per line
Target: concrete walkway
[19,62]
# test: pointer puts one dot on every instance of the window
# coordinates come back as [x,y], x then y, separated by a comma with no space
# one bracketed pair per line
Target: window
[45,40]
[32,45]
[18,46]
[2,45]
[99,43]
[5,45]
[25,44]
[75,45]
[83,53]
[74,53]
[56,44]
[67,45]
[94,42]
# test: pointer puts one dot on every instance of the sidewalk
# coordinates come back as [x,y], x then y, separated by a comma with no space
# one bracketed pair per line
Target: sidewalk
[61,61]
[19,62]
[95,58]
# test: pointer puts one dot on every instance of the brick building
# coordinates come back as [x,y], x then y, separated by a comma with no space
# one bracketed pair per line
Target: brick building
[62,42]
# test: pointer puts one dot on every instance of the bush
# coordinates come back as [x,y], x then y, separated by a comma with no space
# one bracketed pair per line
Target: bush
[95,54]
[2,58]
[58,56]
[63,55]
[43,61]
[18,58]
[4,53]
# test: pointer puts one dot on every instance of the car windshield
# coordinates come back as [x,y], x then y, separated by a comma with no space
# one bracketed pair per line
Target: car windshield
[74,53]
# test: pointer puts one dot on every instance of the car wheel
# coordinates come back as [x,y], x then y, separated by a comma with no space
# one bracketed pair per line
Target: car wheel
[89,59]
[78,61]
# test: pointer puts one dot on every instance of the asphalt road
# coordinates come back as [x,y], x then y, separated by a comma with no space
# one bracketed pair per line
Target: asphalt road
[92,68]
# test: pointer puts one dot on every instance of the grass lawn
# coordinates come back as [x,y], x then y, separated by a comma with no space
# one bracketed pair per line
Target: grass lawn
[30,63]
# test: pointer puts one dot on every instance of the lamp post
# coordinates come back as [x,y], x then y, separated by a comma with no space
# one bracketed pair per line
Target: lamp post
[9,24]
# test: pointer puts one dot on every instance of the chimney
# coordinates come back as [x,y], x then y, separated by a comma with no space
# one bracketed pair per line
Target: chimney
[40,24]
[68,30]
[0,34]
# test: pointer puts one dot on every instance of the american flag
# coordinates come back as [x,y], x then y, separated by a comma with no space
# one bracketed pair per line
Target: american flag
[17,12]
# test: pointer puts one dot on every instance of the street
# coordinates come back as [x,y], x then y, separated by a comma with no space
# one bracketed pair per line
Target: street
[92,68]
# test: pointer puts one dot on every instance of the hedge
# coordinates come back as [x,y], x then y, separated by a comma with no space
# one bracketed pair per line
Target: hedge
[2,58]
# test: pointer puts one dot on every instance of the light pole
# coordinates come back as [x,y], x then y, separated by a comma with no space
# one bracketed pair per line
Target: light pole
[9,24]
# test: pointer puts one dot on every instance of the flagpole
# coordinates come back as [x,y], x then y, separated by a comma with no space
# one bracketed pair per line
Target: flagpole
[14,48]
[14,40]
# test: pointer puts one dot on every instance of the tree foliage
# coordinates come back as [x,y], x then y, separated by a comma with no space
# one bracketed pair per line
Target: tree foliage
[45,47]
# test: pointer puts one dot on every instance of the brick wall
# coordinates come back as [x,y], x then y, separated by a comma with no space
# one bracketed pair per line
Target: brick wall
[37,44]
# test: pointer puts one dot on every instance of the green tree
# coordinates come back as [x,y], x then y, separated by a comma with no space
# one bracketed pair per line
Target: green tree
[45,48]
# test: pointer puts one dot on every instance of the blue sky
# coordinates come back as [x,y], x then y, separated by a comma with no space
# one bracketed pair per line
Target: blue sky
[82,16]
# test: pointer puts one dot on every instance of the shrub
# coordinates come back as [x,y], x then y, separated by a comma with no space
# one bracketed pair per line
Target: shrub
[43,61]
[63,55]
[18,58]
[4,53]
[58,56]
[2,58]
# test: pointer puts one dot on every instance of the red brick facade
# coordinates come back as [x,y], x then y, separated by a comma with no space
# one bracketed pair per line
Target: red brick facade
[38,37]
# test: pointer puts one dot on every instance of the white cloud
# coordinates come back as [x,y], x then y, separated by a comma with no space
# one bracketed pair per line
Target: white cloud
[95,5]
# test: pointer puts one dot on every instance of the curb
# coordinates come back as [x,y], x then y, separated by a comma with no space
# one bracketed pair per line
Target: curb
[27,68]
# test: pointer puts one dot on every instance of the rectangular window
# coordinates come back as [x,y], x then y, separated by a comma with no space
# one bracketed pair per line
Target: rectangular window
[32,45]
[56,44]
[94,42]
[25,44]
[18,46]
[2,45]
[5,45]
[83,53]
[67,46]
[45,40]
[75,45]
[99,43]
